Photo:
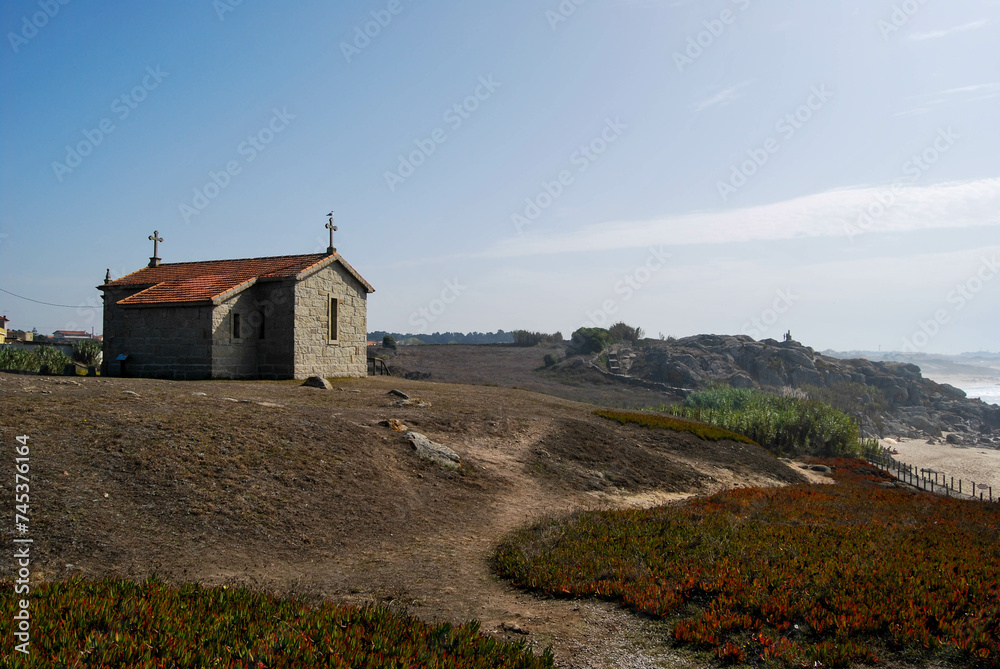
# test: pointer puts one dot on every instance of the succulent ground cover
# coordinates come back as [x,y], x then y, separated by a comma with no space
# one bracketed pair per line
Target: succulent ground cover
[861,572]
[115,623]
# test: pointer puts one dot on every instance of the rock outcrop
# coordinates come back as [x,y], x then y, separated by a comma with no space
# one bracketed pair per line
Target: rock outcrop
[886,398]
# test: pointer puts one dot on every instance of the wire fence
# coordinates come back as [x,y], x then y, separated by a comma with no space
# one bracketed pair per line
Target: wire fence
[931,480]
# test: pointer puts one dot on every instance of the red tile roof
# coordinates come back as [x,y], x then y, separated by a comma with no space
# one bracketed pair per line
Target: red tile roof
[211,280]
[73,333]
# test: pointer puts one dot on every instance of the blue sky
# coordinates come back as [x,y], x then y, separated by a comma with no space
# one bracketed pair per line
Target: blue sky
[728,166]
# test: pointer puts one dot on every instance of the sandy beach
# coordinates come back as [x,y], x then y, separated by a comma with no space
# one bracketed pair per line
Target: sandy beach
[970,463]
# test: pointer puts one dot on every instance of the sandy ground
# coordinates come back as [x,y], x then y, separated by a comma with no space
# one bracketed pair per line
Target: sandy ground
[970,463]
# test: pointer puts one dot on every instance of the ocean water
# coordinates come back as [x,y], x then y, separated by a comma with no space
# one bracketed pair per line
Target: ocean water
[988,394]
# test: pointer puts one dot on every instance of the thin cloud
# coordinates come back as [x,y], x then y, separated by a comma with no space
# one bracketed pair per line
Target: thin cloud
[722,98]
[988,89]
[961,94]
[937,34]
[823,215]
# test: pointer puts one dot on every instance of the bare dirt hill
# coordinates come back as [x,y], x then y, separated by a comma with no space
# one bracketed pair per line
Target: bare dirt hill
[301,491]
[521,367]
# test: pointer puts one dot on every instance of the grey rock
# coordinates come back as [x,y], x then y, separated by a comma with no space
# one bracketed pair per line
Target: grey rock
[953,392]
[797,358]
[742,380]
[317,382]
[513,628]
[802,376]
[399,393]
[433,451]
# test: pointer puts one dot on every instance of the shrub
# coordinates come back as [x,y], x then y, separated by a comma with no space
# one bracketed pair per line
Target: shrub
[527,339]
[389,341]
[53,358]
[17,359]
[550,359]
[589,340]
[625,333]
[87,353]
[20,359]
[784,425]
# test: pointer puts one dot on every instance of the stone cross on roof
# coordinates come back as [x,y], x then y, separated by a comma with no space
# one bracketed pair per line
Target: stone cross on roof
[156,239]
[332,228]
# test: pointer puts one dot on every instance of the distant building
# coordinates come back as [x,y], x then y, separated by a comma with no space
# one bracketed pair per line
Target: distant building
[20,335]
[66,336]
[3,329]
[276,317]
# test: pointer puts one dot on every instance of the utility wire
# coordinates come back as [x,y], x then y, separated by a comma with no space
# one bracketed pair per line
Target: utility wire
[49,304]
